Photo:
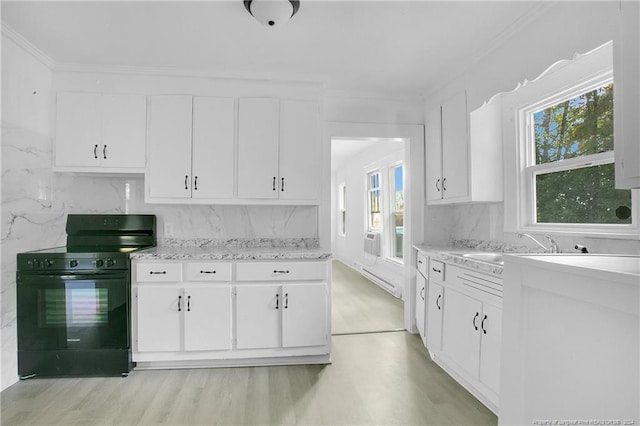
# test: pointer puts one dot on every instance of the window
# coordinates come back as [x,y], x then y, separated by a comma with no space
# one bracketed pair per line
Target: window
[563,181]
[396,180]
[342,210]
[373,186]
[571,166]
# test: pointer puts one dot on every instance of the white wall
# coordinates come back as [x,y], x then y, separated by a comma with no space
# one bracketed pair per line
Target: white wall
[562,30]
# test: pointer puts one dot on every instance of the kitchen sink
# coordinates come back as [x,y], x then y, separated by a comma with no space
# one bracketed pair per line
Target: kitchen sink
[486,257]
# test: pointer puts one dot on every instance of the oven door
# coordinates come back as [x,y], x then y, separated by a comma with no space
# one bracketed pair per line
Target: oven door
[79,311]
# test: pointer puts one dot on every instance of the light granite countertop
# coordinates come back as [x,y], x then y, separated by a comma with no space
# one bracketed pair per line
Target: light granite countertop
[451,254]
[234,249]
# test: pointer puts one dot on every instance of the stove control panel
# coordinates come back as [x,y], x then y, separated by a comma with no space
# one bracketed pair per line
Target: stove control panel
[79,263]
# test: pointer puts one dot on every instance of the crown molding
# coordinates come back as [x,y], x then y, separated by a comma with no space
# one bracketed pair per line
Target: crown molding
[182,73]
[27,46]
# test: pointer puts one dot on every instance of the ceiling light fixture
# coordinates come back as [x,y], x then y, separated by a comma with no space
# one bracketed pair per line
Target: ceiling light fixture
[272,12]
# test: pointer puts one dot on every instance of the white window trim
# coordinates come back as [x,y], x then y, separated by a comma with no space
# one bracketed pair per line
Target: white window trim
[391,203]
[368,191]
[590,70]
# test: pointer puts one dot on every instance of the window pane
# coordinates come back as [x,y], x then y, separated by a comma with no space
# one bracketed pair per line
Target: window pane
[398,189]
[398,234]
[585,195]
[579,126]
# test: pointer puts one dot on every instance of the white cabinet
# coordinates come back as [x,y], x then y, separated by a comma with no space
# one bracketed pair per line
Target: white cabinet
[491,339]
[272,316]
[98,132]
[463,153]
[191,148]
[172,315]
[158,326]
[626,69]
[461,331]
[201,312]
[435,305]
[421,294]
[278,149]
[207,317]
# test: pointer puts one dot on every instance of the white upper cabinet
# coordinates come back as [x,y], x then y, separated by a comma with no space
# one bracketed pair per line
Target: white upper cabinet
[463,153]
[258,138]
[626,70]
[191,142]
[100,132]
[299,150]
[278,150]
[169,168]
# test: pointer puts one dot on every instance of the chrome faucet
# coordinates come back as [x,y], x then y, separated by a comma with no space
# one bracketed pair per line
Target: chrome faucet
[553,246]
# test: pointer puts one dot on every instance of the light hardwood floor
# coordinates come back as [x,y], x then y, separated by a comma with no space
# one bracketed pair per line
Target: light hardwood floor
[358,305]
[380,378]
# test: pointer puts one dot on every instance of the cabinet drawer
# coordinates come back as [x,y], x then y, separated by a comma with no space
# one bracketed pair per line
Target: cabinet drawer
[158,271]
[422,263]
[208,271]
[281,271]
[436,270]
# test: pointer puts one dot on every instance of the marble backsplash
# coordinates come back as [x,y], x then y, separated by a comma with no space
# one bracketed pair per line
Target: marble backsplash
[36,202]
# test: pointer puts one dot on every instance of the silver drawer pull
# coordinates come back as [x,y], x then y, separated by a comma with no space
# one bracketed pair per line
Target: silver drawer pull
[207,272]
[275,271]
[157,273]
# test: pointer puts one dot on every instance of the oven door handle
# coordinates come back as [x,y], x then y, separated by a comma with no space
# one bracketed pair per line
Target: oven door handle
[26,279]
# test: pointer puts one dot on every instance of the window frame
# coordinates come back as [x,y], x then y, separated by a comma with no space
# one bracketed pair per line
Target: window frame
[393,212]
[342,210]
[370,190]
[563,81]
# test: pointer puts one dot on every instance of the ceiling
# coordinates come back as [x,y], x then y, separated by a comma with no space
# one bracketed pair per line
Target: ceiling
[395,47]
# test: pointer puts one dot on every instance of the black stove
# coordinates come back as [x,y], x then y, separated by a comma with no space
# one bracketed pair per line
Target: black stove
[73,302]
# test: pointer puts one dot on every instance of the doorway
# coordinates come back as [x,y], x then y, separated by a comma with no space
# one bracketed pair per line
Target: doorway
[348,218]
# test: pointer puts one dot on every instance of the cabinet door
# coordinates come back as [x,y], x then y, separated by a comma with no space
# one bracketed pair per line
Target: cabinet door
[304,315]
[169,166]
[491,328]
[207,318]
[421,289]
[626,98]
[159,325]
[258,310]
[433,155]
[212,148]
[455,165]
[435,309]
[299,166]
[78,128]
[460,333]
[258,137]
[124,126]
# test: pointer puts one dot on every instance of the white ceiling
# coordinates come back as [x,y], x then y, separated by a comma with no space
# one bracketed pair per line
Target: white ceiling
[404,48]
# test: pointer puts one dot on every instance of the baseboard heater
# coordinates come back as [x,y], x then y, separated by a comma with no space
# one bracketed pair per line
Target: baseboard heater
[381,282]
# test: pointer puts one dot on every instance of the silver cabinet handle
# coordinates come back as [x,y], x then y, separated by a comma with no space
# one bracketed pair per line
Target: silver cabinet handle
[195,183]
[439,307]
[282,185]
[104,152]
[275,271]
[189,303]
[277,301]
[422,293]
[179,300]
[274,183]
[438,185]
[186,181]
[207,272]
[157,272]
[95,151]
[444,188]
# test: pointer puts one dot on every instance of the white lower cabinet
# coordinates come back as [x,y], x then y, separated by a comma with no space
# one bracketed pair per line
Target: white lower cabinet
[421,289]
[272,316]
[435,305]
[188,313]
[464,327]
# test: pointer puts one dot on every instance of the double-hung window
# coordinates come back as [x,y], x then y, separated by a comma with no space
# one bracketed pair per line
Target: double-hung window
[564,126]
[396,189]
[374,197]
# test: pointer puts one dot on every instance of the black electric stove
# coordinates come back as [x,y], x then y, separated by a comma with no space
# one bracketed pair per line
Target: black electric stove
[73,302]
